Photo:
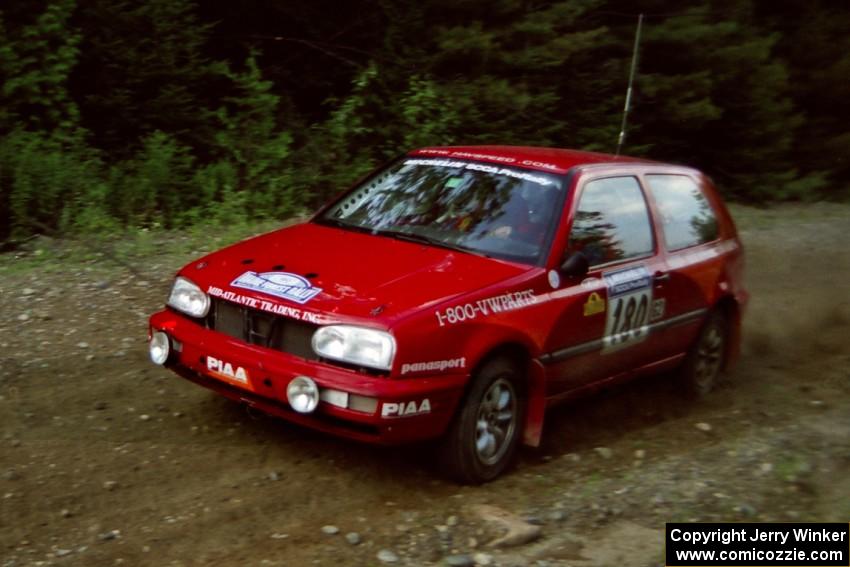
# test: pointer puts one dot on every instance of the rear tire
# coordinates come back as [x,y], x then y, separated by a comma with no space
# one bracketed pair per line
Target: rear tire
[483,438]
[706,359]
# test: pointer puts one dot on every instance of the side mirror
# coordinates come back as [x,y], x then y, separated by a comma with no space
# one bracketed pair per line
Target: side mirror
[575,265]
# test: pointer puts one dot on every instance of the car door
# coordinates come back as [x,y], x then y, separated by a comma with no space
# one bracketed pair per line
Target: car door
[603,322]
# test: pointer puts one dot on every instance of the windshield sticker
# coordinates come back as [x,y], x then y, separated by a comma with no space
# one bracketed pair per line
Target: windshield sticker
[434,365]
[629,299]
[483,307]
[488,157]
[280,284]
[494,169]
[268,306]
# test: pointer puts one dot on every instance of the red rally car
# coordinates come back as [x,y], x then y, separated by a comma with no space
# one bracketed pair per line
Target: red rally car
[459,292]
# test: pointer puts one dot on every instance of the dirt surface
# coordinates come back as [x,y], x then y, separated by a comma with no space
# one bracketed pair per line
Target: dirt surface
[106,459]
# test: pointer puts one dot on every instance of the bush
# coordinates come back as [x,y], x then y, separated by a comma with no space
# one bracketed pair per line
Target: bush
[155,188]
[53,183]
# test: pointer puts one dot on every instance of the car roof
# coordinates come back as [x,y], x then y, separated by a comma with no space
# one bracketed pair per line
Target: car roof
[544,159]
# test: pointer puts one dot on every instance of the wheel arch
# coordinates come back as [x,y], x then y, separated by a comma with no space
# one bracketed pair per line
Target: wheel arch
[513,350]
[533,387]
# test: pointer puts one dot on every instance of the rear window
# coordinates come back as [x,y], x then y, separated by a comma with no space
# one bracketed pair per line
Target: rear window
[686,216]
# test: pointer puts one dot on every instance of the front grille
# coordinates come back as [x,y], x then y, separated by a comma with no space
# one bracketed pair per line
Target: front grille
[260,328]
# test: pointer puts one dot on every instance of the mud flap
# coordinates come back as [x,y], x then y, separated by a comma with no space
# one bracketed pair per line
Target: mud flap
[536,409]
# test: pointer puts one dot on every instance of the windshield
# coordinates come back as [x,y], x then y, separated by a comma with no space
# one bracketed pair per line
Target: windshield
[502,212]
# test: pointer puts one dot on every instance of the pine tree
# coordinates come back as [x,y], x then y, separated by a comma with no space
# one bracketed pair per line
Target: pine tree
[249,139]
[816,47]
[712,94]
[35,63]
[143,69]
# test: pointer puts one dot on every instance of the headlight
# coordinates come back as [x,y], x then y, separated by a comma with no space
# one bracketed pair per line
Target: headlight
[189,298]
[356,345]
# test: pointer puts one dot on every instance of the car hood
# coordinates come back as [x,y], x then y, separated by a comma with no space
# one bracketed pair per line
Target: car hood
[356,274]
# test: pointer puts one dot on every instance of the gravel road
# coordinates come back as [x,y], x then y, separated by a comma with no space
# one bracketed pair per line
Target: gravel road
[108,460]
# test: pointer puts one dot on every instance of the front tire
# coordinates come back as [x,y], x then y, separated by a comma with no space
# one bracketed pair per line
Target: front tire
[483,438]
[706,358]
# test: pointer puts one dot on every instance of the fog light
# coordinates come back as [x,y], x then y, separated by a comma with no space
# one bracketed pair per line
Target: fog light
[303,394]
[159,347]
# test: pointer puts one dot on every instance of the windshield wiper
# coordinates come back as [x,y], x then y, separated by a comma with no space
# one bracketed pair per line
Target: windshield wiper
[421,238]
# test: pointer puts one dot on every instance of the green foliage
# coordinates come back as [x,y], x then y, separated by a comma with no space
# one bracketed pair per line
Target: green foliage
[525,73]
[142,69]
[160,114]
[155,187]
[816,48]
[745,110]
[348,144]
[428,117]
[50,181]
[35,63]
[249,139]
[222,204]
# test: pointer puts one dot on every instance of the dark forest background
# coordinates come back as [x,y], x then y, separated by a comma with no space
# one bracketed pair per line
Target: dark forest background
[170,113]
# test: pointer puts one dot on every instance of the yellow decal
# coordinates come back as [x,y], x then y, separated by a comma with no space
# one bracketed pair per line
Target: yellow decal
[593,305]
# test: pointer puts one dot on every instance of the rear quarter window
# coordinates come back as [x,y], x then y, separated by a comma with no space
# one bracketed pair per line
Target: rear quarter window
[686,216]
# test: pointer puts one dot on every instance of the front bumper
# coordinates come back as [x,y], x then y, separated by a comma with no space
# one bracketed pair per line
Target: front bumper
[397,417]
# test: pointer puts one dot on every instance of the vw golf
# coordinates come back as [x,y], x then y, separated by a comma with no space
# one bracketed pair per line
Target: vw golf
[460,292]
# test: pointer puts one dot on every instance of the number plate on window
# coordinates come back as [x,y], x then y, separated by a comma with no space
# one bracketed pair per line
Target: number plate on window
[629,300]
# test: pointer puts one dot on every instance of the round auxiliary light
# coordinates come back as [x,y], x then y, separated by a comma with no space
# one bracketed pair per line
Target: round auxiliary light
[159,347]
[303,394]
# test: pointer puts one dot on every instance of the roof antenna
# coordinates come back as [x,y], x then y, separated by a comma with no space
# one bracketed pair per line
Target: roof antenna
[622,137]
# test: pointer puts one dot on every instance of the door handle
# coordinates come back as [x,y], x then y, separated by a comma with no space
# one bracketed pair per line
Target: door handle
[661,277]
